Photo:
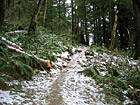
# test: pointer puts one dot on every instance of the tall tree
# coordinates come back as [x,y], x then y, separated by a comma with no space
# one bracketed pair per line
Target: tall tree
[45,9]
[64,8]
[125,22]
[72,17]
[104,26]
[81,16]
[1,12]
[19,10]
[113,25]
[85,22]
[104,10]
[59,16]
[136,6]
[65,24]
[50,15]
[113,34]
[8,7]
[111,16]
[33,24]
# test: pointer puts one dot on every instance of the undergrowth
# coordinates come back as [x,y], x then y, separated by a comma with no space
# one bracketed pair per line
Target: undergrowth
[42,45]
[16,65]
[121,76]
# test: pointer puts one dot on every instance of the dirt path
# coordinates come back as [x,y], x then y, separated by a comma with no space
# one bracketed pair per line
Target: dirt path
[70,87]
[63,86]
[56,89]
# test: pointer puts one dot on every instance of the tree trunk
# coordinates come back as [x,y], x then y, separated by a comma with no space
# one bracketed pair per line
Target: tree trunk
[112,21]
[72,18]
[45,11]
[8,8]
[96,31]
[33,24]
[85,23]
[82,38]
[104,27]
[136,6]
[99,32]
[59,23]
[113,34]
[95,27]
[1,12]
[84,19]
[64,8]
[76,23]
[19,10]
[112,18]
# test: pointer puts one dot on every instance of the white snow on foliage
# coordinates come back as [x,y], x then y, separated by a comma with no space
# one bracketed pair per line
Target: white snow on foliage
[76,88]
[18,31]
[4,39]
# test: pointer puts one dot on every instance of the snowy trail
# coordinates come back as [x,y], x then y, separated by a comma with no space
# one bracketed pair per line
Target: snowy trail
[60,83]
[63,86]
[72,88]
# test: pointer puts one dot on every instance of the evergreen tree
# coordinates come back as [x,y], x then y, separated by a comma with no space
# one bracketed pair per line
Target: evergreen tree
[81,18]
[136,5]
[72,17]
[34,20]
[113,25]
[45,11]
[125,22]
[1,12]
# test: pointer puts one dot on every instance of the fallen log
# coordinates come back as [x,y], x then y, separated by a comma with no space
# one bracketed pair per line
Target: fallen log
[17,31]
[12,46]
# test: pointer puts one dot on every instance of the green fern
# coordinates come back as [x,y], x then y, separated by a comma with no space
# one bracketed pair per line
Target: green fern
[25,69]
[2,62]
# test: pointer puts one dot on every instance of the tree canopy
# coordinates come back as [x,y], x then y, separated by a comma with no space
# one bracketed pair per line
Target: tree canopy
[85,19]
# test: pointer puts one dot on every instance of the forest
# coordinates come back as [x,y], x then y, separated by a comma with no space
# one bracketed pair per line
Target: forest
[70,52]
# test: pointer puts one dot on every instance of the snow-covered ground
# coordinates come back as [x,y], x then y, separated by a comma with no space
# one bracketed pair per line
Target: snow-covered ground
[77,88]
[63,85]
